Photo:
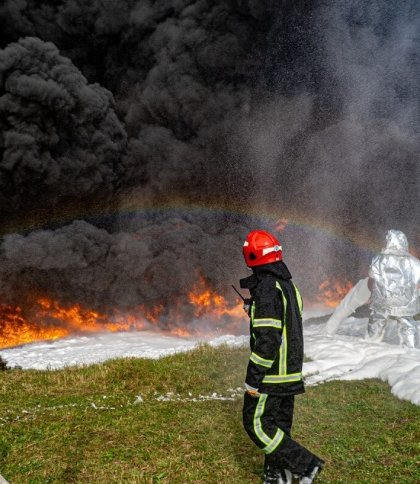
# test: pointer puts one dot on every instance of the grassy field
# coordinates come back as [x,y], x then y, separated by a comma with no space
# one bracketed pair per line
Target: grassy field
[88,425]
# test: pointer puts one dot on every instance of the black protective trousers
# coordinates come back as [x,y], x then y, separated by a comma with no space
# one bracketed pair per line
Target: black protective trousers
[268,421]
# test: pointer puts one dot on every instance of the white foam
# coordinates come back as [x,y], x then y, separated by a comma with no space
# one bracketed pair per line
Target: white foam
[344,356]
[348,356]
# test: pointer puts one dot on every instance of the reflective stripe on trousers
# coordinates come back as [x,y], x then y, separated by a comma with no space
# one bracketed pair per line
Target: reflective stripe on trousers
[268,421]
[270,444]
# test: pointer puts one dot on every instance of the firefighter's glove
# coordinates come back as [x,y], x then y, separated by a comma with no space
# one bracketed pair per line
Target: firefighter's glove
[253,392]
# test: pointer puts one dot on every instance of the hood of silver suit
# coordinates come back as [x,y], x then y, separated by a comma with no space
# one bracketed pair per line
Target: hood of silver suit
[396,243]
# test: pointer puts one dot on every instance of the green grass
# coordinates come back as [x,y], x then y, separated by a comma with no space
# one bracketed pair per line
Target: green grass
[53,429]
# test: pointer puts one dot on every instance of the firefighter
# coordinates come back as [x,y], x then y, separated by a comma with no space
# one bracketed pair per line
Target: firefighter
[395,275]
[274,373]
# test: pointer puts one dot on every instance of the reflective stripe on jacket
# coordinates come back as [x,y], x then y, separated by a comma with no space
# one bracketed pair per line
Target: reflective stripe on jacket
[275,364]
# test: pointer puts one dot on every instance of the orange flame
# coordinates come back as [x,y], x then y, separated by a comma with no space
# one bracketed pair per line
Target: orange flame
[208,303]
[333,291]
[15,329]
[49,319]
[181,332]
[152,314]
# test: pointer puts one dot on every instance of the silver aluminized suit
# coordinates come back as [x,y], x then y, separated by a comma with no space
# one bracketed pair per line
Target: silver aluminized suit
[396,275]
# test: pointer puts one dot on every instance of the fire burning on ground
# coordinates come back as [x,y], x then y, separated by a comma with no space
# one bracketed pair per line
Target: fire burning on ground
[208,303]
[332,291]
[48,319]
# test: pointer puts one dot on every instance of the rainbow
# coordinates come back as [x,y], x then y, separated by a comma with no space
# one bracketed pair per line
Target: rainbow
[259,214]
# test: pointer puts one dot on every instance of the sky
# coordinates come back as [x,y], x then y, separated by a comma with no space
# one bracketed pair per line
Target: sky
[140,141]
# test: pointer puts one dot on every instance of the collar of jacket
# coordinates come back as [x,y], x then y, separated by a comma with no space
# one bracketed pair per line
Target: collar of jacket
[276,269]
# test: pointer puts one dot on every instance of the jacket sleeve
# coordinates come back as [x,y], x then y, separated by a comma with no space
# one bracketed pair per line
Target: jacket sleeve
[267,326]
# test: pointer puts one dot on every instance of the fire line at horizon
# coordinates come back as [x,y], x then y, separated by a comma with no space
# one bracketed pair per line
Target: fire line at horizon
[50,320]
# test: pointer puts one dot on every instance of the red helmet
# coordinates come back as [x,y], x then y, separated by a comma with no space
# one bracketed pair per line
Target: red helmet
[261,247]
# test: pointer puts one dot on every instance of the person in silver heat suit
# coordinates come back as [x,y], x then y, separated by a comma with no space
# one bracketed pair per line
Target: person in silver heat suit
[395,276]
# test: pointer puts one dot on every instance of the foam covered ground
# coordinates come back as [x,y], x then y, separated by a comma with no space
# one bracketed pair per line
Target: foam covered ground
[344,356]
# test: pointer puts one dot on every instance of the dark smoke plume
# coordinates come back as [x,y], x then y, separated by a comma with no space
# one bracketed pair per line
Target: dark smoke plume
[60,136]
[181,73]
[309,110]
[157,265]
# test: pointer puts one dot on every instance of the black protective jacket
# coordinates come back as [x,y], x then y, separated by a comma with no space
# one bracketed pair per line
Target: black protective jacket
[275,364]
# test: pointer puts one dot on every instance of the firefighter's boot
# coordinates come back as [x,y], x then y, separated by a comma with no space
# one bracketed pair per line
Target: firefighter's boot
[277,476]
[313,471]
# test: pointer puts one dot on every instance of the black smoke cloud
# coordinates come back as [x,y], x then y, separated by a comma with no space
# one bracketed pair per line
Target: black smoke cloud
[146,263]
[305,108]
[60,136]
[154,266]
[181,73]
